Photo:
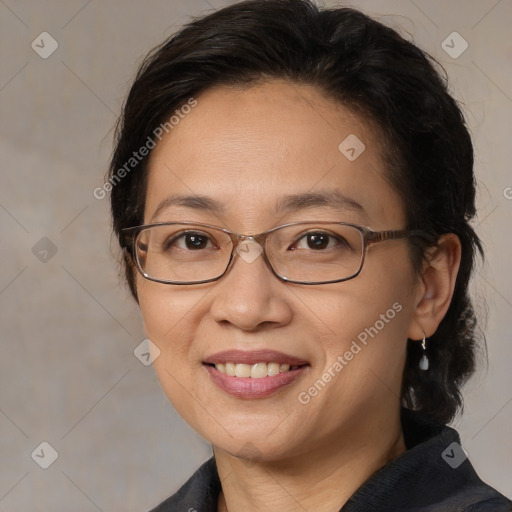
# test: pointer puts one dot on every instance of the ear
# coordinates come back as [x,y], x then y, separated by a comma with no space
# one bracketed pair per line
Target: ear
[435,286]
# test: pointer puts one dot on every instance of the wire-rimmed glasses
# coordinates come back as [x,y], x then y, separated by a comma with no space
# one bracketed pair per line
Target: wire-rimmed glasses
[303,252]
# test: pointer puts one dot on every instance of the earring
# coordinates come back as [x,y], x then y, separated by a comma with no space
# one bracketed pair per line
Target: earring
[424,358]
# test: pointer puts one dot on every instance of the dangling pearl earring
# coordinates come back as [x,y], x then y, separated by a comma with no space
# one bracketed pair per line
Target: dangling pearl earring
[424,358]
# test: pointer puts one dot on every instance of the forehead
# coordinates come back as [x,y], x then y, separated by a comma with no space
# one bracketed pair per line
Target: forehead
[250,149]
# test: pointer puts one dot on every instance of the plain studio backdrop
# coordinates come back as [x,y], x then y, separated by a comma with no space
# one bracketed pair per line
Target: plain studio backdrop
[68,373]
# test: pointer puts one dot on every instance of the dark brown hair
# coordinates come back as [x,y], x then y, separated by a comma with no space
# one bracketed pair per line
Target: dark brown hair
[369,68]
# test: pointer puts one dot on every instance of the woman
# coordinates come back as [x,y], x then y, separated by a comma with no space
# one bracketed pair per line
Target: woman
[292,187]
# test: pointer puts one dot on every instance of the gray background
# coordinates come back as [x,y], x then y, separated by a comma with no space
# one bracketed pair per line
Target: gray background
[68,375]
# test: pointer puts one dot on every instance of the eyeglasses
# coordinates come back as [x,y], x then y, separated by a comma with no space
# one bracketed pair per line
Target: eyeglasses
[299,252]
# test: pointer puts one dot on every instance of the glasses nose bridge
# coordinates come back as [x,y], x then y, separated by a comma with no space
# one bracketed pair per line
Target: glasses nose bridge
[259,238]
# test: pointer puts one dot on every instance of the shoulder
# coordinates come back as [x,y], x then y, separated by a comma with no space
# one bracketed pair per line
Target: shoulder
[497,503]
[434,474]
[482,499]
[458,486]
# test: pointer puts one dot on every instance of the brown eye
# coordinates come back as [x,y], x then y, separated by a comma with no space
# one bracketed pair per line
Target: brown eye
[190,240]
[318,240]
[193,241]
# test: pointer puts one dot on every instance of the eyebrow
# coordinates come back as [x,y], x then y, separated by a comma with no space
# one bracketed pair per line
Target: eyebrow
[330,198]
[196,202]
[286,204]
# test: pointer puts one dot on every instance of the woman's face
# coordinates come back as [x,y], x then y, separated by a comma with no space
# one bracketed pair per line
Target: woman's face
[248,150]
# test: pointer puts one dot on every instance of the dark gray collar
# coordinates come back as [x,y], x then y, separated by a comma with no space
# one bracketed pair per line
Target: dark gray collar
[433,475]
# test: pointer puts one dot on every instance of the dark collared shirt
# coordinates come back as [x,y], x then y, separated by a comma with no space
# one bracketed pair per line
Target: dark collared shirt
[433,475]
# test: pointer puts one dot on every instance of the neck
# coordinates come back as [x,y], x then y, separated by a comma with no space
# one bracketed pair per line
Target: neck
[322,478]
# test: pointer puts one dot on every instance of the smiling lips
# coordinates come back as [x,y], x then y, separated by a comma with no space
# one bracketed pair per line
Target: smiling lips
[253,374]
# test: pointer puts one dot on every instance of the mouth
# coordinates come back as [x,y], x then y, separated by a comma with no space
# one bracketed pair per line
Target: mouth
[254,374]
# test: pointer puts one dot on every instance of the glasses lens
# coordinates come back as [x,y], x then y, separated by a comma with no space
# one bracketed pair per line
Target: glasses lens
[316,252]
[182,253]
[308,253]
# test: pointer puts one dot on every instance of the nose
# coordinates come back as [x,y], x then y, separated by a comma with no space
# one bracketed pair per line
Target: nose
[250,296]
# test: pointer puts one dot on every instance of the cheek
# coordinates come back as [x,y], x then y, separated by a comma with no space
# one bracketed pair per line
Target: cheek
[382,294]
[369,318]
[170,318]
[366,331]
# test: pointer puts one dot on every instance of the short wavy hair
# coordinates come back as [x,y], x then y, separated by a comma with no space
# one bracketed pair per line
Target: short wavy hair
[367,67]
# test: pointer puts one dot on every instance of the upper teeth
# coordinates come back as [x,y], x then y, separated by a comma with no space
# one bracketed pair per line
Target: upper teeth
[256,371]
